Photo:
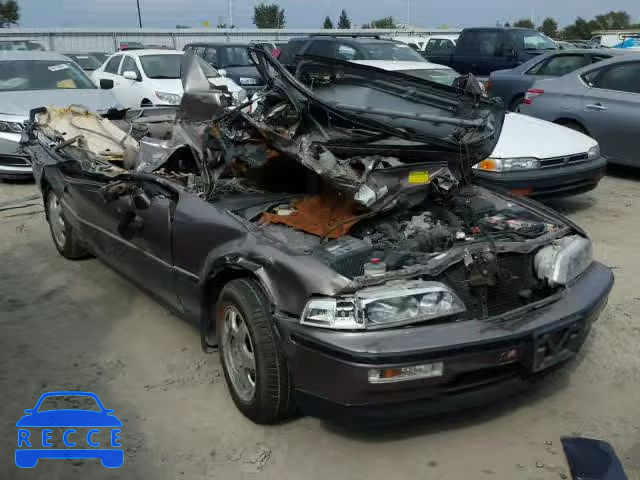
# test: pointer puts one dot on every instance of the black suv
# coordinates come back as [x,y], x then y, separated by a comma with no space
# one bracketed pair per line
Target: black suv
[231,60]
[346,48]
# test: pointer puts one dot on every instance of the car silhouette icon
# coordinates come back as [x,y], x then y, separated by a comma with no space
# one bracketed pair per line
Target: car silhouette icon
[100,418]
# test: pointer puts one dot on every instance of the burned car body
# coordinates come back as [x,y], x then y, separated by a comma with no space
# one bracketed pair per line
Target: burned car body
[331,241]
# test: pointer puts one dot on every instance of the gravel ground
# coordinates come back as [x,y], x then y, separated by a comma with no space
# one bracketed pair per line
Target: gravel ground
[80,326]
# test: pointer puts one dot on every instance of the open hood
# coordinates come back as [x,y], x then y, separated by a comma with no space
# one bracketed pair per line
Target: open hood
[368,132]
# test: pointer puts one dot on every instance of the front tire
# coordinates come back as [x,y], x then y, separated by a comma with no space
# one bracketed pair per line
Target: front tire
[63,235]
[254,367]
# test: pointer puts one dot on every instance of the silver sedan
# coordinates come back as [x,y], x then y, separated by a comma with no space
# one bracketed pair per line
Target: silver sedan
[601,100]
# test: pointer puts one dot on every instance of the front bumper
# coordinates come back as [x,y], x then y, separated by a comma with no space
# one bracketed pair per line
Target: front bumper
[483,359]
[548,182]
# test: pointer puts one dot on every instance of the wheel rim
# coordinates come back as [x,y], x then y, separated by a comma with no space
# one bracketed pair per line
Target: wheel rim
[56,221]
[238,353]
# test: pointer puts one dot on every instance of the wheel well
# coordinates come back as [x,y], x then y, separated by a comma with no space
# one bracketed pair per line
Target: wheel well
[146,101]
[212,289]
[568,121]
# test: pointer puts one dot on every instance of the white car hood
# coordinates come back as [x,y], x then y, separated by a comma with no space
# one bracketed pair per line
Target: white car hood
[524,136]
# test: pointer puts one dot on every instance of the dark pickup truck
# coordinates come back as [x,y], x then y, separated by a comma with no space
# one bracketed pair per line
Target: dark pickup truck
[483,50]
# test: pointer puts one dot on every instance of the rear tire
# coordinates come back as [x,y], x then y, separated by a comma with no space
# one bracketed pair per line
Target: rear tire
[254,367]
[516,104]
[64,238]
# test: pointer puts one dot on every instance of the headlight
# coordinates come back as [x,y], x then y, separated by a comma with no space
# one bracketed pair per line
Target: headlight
[594,153]
[386,306]
[563,260]
[508,164]
[248,81]
[170,98]
[11,127]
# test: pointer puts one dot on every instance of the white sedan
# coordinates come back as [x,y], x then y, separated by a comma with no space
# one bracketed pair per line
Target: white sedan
[140,78]
[533,157]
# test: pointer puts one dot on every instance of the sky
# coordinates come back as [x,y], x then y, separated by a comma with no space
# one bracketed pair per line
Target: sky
[308,13]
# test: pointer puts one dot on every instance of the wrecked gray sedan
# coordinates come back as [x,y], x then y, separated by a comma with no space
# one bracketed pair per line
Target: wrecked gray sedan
[330,243]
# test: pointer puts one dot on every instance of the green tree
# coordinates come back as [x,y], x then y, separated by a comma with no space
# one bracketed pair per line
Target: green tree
[524,23]
[327,23]
[614,21]
[268,16]
[507,25]
[9,13]
[581,29]
[344,22]
[549,27]
[386,22]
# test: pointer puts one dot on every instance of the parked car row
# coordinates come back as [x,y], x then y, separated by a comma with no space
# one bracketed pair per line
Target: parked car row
[568,165]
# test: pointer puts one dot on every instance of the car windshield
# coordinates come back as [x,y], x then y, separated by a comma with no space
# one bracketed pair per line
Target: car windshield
[233,57]
[101,57]
[86,62]
[443,76]
[68,402]
[17,75]
[537,41]
[169,66]
[389,51]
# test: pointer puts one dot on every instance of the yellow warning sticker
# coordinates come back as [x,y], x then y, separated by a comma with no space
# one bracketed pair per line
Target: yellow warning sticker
[418,177]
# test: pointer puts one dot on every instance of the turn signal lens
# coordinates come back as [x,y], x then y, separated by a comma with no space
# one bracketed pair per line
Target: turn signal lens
[400,374]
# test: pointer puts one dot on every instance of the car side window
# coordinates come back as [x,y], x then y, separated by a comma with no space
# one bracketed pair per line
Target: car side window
[599,58]
[559,65]
[624,77]
[322,48]
[468,42]
[488,42]
[199,51]
[210,55]
[347,52]
[113,64]
[129,65]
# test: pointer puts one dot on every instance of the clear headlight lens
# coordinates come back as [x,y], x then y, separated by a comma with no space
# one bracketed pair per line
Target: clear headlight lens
[508,164]
[563,260]
[248,81]
[170,98]
[594,153]
[11,127]
[379,307]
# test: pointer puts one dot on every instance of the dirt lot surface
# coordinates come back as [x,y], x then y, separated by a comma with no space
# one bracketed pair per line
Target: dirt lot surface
[80,326]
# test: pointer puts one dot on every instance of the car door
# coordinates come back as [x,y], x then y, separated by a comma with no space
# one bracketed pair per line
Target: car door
[464,59]
[110,73]
[610,109]
[128,225]
[131,91]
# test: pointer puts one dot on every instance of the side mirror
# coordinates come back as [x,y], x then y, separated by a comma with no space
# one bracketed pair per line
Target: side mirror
[106,84]
[29,410]
[130,75]
[141,200]
[222,72]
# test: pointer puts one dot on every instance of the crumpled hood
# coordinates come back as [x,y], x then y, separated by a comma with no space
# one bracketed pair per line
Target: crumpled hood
[524,136]
[22,102]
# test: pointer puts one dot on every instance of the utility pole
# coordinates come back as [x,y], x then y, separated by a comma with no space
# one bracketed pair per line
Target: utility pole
[139,15]
[408,13]
[230,13]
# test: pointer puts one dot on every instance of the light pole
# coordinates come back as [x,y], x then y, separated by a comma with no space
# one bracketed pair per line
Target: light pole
[139,15]
[230,13]
[408,13]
